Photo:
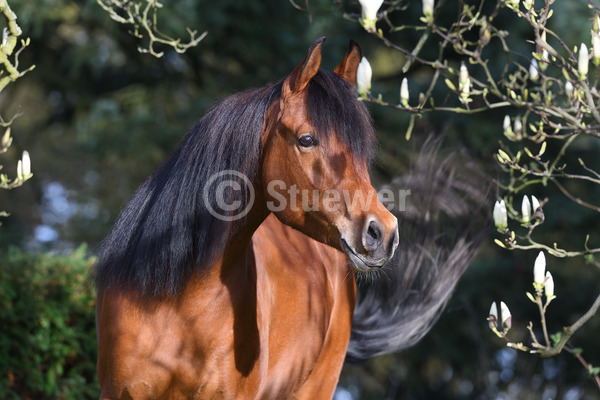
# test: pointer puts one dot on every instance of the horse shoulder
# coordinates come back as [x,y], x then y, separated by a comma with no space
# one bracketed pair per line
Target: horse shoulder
[171,349]
[306,300]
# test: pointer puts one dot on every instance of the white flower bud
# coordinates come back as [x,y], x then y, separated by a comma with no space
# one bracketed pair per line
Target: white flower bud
[596,48]
[527,4]
[463,75]
[506,316]
[508,132]
[549,286]
[466,89]
[535,203]
[545,60]
[369,13]
[20,170]
[583,62]
[404,95]
[500,217]
[526,209]
[539,269]
[534,73]
[569,89]
[26,165]
[464,84]
[493,316]
[518,126]
[428,9]
[363,77]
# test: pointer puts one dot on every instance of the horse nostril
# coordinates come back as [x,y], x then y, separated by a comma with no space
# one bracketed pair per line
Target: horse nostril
[373,237]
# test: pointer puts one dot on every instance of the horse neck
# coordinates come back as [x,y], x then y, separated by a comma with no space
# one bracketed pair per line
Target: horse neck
[243,229]
[238,244]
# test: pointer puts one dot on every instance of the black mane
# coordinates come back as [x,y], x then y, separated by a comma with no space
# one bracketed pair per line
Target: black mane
[166,233]
[334,107]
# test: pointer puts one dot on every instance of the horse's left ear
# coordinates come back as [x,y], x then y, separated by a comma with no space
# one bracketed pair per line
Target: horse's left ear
[347,68]
[307,69]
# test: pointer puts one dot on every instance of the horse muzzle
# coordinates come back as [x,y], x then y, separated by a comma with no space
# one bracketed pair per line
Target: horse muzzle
[378,247]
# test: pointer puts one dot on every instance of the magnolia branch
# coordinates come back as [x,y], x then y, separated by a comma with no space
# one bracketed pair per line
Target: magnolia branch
[130,13]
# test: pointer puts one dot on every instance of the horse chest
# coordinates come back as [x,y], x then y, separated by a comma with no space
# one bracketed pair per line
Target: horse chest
[217,344]
[262,349]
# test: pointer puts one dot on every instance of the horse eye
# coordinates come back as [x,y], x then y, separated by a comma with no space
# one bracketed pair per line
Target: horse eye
[307,141]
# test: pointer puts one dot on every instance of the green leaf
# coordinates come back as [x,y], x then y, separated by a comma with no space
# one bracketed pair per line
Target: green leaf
[450,84]
[411,125]
[556,338]
[530,297]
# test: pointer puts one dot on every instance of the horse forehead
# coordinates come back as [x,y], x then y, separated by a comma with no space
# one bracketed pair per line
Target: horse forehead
[294,109]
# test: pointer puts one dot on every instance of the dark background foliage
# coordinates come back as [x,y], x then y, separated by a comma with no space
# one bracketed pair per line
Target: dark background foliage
[98,118]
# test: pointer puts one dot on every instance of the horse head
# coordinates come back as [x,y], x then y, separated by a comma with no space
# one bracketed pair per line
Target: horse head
[316,153]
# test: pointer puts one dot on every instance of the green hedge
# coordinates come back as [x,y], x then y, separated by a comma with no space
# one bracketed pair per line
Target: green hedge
[47,326]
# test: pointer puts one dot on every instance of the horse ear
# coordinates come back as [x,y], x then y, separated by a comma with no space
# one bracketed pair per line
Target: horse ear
[347,68]
[307,69]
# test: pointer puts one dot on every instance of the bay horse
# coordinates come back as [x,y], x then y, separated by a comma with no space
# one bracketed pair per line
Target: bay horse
[196,300]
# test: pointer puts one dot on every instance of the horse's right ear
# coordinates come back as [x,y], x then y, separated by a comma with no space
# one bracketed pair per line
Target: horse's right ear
[307,69]
[348,67]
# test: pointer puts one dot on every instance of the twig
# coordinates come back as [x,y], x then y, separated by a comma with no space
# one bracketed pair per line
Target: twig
[137,17]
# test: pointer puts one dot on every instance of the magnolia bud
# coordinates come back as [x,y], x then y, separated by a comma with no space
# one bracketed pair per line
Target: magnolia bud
[463,75]
[538,212]
[539,270]
[506,316]
[20,170]
[518,127]
[535,203]
[369,13]
[596,48]
[545,60]
[464,83]
[493,316]
[466,90]
[526,209]
[500,217]
[428,9]
[26,165]
[404,95]
[549,286]
[508,132]
[363,77]
[569,89]
[583,62]
[534,72]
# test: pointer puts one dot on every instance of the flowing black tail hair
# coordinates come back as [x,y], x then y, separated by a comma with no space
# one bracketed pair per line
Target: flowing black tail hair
[445,219]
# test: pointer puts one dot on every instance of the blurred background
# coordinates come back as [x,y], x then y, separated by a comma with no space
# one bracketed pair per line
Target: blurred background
[98,117]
